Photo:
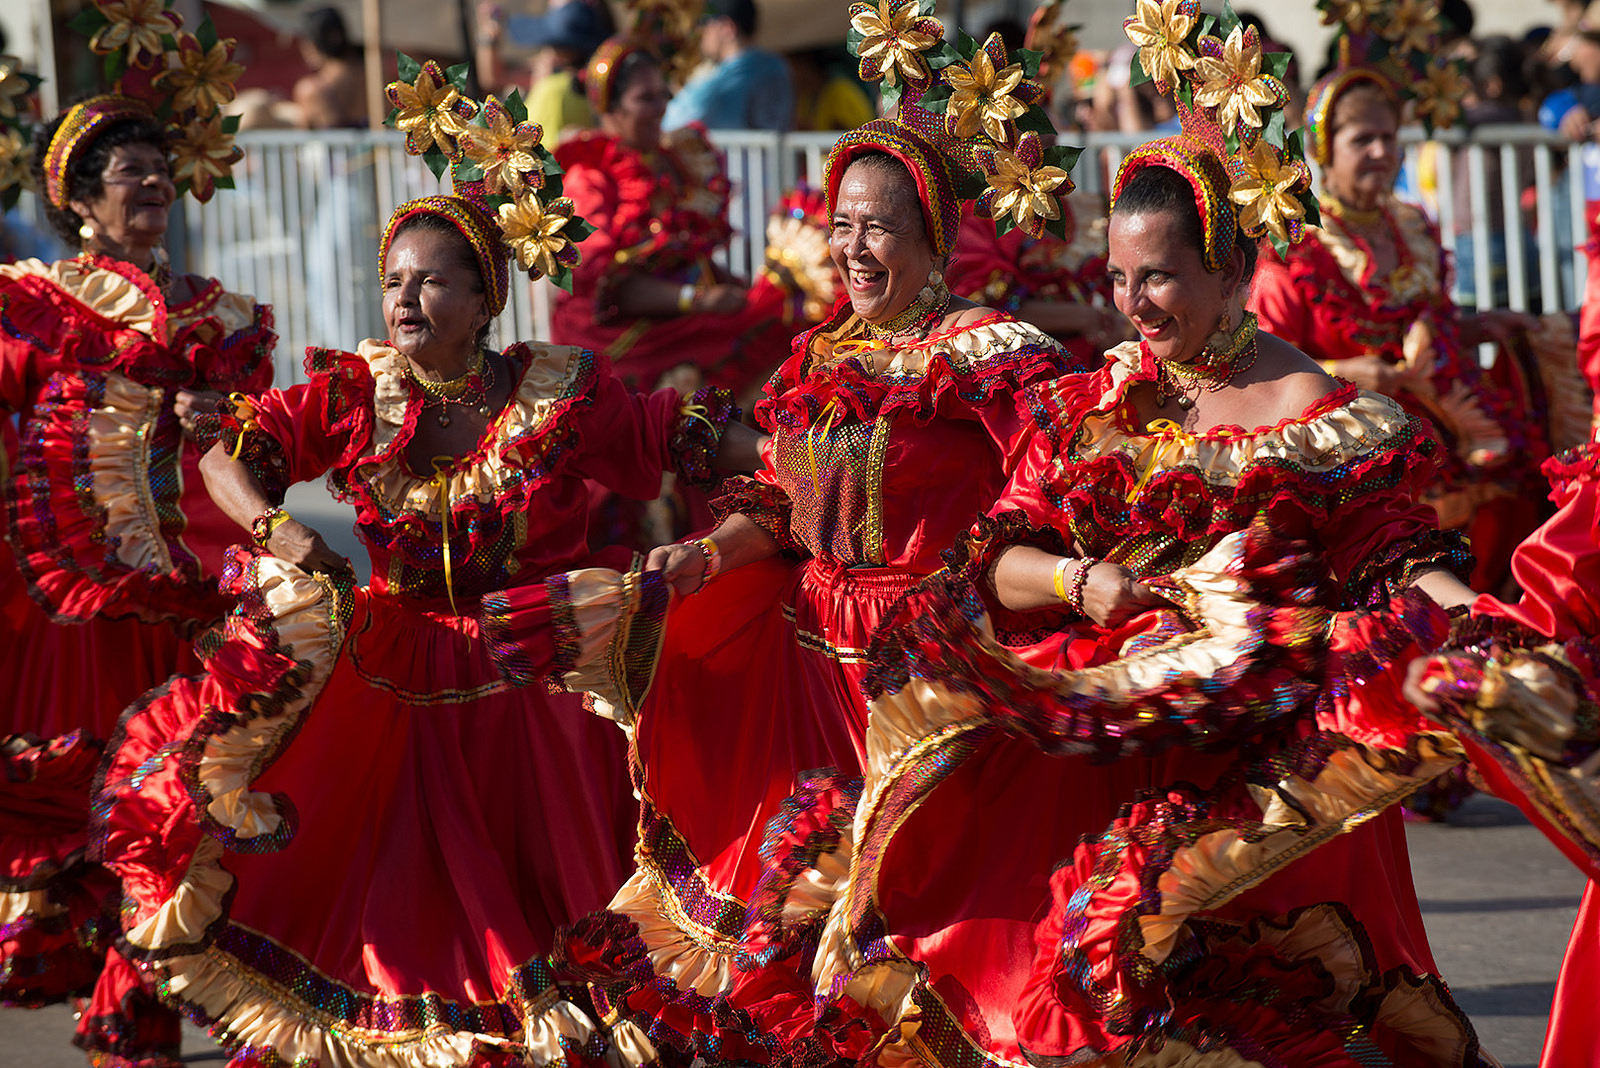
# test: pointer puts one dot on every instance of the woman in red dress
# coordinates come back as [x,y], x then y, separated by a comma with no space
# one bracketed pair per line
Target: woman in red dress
[360,834]
[1525,676]
[1152,700]
[114,548]
[647,294]
[893,424]
[1368,294]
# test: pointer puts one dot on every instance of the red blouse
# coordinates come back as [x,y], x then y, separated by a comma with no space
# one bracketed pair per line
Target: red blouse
[108,513]
[1343,475]
[517,505]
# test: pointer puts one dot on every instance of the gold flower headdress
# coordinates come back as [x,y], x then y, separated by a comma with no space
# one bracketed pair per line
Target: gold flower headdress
[16,133]
[1396,41]
[184,78]
[974,106]
[497,163]
[1230,96]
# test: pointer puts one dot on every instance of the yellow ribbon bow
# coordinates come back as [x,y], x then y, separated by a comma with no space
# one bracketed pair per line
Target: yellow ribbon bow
[700,412]
[244,410]
[858,346]
[1165,433]
[828,414]
[441,482]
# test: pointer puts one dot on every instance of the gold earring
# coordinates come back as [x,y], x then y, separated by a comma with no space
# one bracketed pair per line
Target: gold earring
[86,233]
[1222,336]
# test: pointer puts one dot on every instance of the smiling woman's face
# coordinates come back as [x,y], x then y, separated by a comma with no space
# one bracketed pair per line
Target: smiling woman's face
[1161,284]
[136,195]
[878,240]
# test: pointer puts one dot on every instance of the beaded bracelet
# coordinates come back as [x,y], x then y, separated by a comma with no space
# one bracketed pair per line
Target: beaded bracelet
[713,555]
[1074,597]
[263,525]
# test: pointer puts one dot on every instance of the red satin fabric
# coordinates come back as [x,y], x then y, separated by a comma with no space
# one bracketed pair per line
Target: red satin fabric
[465,818]
[66,683]
[646,222]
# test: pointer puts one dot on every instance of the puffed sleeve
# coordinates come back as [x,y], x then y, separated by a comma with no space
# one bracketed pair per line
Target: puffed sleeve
[630,439]
[1279,303]
[296,434]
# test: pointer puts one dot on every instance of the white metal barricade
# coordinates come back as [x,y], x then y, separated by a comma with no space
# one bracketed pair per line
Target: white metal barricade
[301,229]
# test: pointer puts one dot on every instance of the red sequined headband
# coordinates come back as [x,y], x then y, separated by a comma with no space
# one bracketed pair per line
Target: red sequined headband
[1197,162]
[78,130]
[936,193]
[475,225]
[598,79]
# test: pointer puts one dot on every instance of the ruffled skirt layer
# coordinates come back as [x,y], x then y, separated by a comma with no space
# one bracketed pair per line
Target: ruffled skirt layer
[759,683]
[351,840]
[1162,848]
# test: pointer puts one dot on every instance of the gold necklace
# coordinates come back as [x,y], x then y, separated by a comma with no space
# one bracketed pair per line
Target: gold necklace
[470,390]
[932,300]
[1345,213]
[1211,370]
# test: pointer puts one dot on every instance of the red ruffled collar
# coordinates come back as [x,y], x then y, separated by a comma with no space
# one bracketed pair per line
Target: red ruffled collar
[973,360]
[668,215]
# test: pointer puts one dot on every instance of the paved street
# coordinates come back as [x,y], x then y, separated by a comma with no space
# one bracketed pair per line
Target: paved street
[1498,900]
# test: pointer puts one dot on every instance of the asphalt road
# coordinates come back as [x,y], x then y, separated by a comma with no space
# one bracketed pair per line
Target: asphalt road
[1497,898]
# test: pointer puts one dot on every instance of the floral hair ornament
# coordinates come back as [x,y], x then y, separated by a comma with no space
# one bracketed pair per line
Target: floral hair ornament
[507,186]
[1246,173]
[1393,45]
[968,120]
[16,133]
[1055,41]
[179,78]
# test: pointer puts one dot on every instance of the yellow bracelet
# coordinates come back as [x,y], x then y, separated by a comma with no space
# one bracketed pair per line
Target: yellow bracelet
[1061,574]
[713,557]
[686,298]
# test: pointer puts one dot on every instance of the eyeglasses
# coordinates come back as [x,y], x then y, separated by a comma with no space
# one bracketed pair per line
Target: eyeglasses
[135,175]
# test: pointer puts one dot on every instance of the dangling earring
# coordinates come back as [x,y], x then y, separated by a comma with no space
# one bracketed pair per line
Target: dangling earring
[935,292]
[1221,339]
[160,267]
[86,233]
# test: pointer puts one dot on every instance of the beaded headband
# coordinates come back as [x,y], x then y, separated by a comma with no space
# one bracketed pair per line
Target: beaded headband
[79,129]
[181,79]
[507,187]
[479,229]
[599,78]
[1394,45]
[1199,165]
[1246,174]
[967,122]
[936,194]
[1325,95]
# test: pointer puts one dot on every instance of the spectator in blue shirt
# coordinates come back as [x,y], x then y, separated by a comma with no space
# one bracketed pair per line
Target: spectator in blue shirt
[740,87]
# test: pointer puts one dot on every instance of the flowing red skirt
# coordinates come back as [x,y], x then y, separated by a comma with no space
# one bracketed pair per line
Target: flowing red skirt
[435,826]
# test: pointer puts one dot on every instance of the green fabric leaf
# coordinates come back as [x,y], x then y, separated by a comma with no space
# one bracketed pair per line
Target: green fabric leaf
[408,68]
[206,33]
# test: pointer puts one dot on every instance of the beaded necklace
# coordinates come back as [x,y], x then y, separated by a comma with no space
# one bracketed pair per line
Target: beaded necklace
[470,390]
[1209,371]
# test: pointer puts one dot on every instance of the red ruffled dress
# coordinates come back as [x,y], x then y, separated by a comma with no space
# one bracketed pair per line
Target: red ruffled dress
[1150,793]
[113,550]
[868,477]
[1325,297]
[1003,272]
[351,839]
[664,216]
[1522,686]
